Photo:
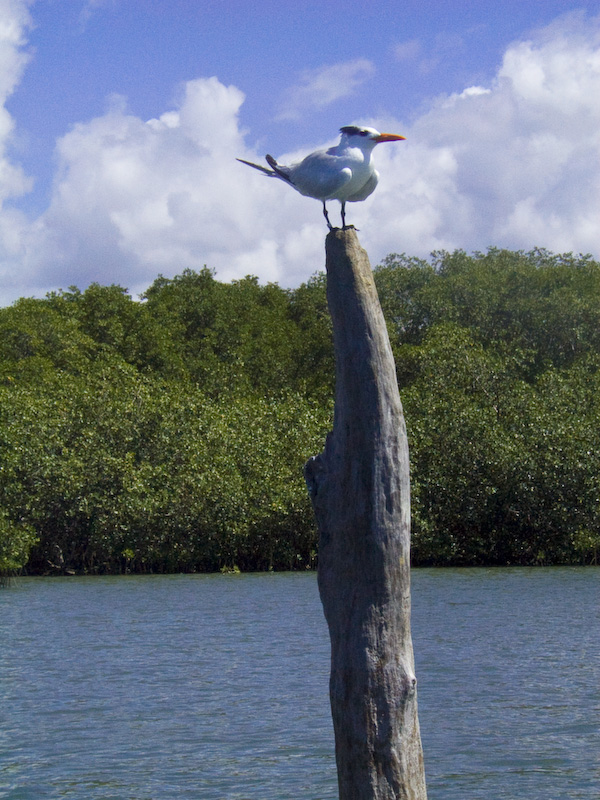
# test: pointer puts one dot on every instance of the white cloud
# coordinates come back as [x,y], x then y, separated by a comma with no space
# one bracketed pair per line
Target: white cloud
[133,198]
[514,164]
[14,22]
[320,87]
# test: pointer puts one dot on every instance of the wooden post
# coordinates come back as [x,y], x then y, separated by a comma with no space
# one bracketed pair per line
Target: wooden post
[360,492]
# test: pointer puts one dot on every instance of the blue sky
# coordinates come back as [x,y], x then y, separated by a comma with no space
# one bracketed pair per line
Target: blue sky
[120,121]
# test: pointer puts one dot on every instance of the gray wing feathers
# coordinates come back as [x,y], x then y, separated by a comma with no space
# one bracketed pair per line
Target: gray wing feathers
[282,172]
[319,176]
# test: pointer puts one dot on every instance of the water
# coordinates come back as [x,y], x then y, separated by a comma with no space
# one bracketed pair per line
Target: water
[214,687]
[509,682]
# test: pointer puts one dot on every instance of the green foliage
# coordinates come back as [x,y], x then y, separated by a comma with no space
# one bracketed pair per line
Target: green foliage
[16,541]
[238,336]
[498,357]
[544,306]
[170,434]
[120,471]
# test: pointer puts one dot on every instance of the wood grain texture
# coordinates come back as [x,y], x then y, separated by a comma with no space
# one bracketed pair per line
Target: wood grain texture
[360,491]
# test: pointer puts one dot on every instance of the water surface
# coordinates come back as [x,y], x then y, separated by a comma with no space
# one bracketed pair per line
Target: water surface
[213,687]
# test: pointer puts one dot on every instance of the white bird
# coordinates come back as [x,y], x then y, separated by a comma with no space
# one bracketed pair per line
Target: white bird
[344,172]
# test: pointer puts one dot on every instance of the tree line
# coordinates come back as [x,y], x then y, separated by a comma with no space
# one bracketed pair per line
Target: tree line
[169,434]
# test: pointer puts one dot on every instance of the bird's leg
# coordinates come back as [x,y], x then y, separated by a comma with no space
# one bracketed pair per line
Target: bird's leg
[344,226]
[329,225]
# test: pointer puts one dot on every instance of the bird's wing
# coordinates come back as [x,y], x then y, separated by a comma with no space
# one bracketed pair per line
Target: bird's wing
[366,190]
[319,175]
[279,170]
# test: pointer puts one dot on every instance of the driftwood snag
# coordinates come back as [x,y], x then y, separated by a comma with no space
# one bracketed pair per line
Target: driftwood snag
[360,492]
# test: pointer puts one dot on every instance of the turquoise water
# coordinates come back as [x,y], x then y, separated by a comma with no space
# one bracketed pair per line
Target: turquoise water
[212,687]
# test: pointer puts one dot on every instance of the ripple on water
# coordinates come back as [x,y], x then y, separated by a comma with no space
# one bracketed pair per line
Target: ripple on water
[214,687]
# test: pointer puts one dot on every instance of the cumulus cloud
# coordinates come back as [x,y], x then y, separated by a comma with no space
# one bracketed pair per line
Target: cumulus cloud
[320,87]
[14,23]
[15,20]
[133,198]
[515,163]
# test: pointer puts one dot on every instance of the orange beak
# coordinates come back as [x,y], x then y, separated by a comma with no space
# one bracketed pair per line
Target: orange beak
[389,137]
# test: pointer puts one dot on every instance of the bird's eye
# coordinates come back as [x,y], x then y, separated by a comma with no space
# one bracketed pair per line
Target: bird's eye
[364,133]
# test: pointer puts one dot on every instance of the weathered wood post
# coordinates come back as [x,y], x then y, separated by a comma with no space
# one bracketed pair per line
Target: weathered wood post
[360,492]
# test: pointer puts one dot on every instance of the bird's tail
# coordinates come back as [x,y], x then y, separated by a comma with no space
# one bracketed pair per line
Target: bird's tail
[276,170]
[271,173]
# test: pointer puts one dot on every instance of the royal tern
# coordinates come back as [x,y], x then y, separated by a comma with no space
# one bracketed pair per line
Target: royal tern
[344,172]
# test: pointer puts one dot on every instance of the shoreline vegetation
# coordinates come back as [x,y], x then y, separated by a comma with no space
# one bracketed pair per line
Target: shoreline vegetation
[169,434]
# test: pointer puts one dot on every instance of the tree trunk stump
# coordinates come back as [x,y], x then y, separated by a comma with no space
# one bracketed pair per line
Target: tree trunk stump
[360,492]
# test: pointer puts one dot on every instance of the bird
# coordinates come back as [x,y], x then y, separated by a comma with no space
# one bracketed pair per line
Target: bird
[344,172]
